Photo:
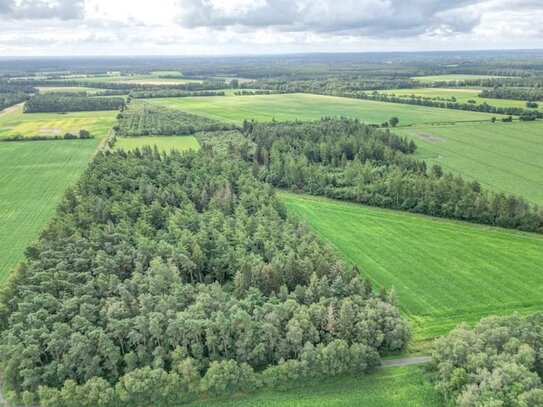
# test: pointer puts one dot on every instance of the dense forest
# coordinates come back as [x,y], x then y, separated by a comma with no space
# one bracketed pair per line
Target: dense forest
[11,94]
[164,276]
[497,363]
[344,159]
[70,102]
[139,118]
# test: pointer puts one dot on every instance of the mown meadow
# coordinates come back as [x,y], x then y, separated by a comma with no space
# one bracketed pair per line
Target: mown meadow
[444,272]
[34,176]
[298,106]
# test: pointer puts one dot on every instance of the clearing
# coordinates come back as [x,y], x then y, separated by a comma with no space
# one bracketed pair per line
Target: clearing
[301,106]
[445,272]
[501,156]
[15,122]
[453,77]
[402,386]
[164,143]
[33,178]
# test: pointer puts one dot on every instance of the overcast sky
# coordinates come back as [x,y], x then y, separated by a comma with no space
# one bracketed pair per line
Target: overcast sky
[199,27]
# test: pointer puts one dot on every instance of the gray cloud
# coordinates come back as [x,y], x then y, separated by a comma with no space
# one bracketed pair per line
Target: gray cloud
[357,17]
[40,10]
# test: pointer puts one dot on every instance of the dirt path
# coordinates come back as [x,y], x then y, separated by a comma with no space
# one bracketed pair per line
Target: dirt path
[415,360]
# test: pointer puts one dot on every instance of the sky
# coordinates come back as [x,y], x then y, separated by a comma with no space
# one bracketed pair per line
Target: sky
[224,27]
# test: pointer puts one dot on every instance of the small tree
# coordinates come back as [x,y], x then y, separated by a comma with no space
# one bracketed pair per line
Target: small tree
[394,121]
[234,83]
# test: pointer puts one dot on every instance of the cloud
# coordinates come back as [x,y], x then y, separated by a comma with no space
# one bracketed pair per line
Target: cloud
[42,9]
[360,17]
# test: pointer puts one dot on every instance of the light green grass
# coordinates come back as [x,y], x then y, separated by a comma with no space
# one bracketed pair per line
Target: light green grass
[403,386]
[150,79]
[462,95]
[502,156]
[453,77]
[234,109]
[164,143]
[16,122]
[445,272]
[49,89]
[33,177]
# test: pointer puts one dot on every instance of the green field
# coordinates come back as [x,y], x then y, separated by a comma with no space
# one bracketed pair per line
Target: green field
[234,109]
[34,176]
[150,79]
[462,95]
[444,272]
[452,77]
[15,122]
[502,156]
[389,387]
[48,89]
[164,143]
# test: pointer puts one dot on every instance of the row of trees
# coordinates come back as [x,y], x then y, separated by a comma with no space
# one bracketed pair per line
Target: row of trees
[190,86]
[158,266]
[139,118]
[82,135]
[54,102]
[171,93]
[497,363]
[344,159]
[517,93]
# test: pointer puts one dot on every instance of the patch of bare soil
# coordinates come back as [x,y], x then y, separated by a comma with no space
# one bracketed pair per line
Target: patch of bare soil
[49,131]
[427,136]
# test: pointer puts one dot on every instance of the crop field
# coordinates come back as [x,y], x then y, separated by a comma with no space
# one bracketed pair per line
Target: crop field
[502,156]
[234,109]
[462,95]
[148,79]
[15,122]
[164,143]
[33,178]
[452,77]
[403,386]
[444,272]
[47,89]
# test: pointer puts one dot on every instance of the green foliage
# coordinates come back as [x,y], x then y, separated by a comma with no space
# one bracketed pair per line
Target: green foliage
[153,259]
[143,119]
[498,363]
[59,102]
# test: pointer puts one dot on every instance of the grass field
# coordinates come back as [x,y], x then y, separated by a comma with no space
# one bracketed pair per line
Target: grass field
[33,177]
[150,79]
[234,109]
[453,77]
[16,122]
[48,89]
[502,156]
[444,272]
[462,95]
[164,143]
[389,387]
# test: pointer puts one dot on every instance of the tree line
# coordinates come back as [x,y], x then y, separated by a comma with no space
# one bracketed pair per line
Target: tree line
[164,276]
[347,160]
[516,93]
[70,102]
[139,118]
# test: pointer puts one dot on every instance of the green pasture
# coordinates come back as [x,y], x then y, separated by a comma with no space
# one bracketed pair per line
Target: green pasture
[164,143]
[234,109]
[150,79]
[462,95]
[33,178]
[403,386]
[502,156]
[48,89]
[452,77]
[444,272]
[14,122]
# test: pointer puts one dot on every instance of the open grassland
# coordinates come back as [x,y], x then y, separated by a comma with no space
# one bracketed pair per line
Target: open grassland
[164,143]
[15,122]
[33,178]
[146,79]
[502,156]
[452,77]
[403,386]
[444,272]
[234,109]
[462,95]
[49,89]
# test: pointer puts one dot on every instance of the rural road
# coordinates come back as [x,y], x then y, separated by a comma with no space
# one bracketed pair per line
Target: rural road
[406,361]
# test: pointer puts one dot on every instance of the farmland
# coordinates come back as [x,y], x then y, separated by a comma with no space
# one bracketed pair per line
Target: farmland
[452,77]
[444,272]
[34,176]
[501,156]
[462,95]
[15,122]
[390,387]
[163,143]
[234,109]
[152,78]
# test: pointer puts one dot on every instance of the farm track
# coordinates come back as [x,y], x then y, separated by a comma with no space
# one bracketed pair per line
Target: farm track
[415,360]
